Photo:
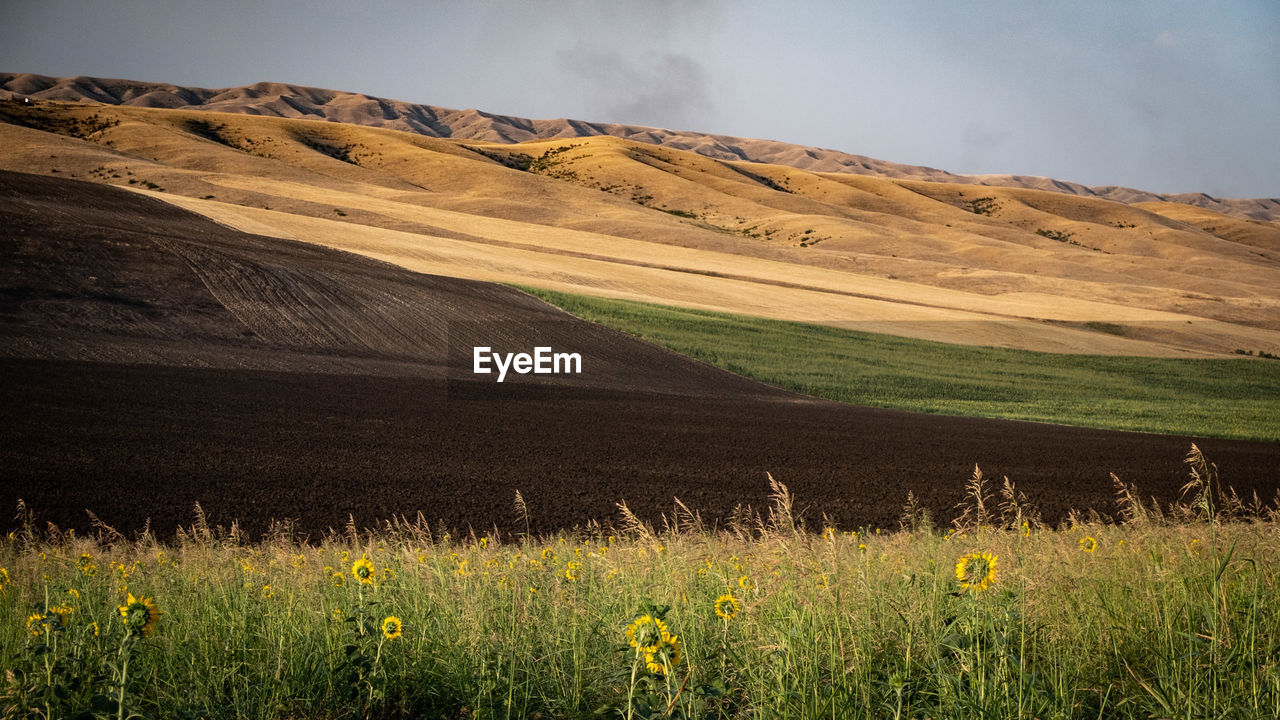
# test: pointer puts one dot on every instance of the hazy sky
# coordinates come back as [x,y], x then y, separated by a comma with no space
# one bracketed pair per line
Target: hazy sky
[1163,95]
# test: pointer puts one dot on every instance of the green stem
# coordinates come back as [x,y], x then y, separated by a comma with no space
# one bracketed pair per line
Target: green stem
[124,674]
[631,689]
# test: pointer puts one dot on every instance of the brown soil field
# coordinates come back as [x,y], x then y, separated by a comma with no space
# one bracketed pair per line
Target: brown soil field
[152,359]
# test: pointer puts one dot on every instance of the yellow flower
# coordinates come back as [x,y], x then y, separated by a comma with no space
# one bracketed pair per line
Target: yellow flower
[268,591]
[388,574]
[363,570]
[74,593]
[727,606]
[666,655]
[85,559]
[645,633]
[1088,544]
[4,577]
[391,627]
[976,571]
[94,625]
[89,570]
[140,614]
[338,615]
[338,579]
[571,571]
[746,583]
[1026,529]
[33,619]
[484,543]
[299,560]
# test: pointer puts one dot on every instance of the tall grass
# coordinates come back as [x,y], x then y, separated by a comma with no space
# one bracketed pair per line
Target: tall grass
[1171,615]
[1228,398]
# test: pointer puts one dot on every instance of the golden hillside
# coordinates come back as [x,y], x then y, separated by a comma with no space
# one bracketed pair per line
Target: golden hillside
[614,217]
[273,99]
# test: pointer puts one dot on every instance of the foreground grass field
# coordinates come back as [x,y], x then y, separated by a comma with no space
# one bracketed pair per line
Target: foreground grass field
[1199,398]
[1001,618]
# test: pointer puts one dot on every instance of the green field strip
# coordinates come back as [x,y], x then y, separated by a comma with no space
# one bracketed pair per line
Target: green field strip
[1212,398]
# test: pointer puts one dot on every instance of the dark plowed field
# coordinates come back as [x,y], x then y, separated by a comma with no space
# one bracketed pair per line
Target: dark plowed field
[150,359]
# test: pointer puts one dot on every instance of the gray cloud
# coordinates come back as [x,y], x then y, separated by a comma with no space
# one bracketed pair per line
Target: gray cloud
[980,144]
[670,89]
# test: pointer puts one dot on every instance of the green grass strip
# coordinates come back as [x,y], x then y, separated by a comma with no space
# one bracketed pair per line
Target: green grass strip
[1221,398]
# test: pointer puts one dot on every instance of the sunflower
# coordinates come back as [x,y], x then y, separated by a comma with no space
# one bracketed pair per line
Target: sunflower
[727,606]
[1026,529]
[140,614]
[1088,544]
[338,579]
[746,583]
[666,655]
[268,591]
[976,571]
[4,576]
[85,559]
[94,625]
[391,627]
[363,570]
[35,624]
[645,633]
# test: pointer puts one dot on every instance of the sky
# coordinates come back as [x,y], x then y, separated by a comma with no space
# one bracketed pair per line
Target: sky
[1161,95]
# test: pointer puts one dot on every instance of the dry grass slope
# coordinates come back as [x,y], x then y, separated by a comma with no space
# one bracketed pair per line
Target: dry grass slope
[619,218]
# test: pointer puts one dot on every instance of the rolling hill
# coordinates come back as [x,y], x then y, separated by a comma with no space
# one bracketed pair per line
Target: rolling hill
[293,101]
[619,218]
[153,359]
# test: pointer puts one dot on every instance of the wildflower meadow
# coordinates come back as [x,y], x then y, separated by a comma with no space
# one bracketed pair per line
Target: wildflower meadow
[1162,612]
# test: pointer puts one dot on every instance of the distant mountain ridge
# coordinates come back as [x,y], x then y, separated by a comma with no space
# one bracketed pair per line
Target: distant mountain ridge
[293,101]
